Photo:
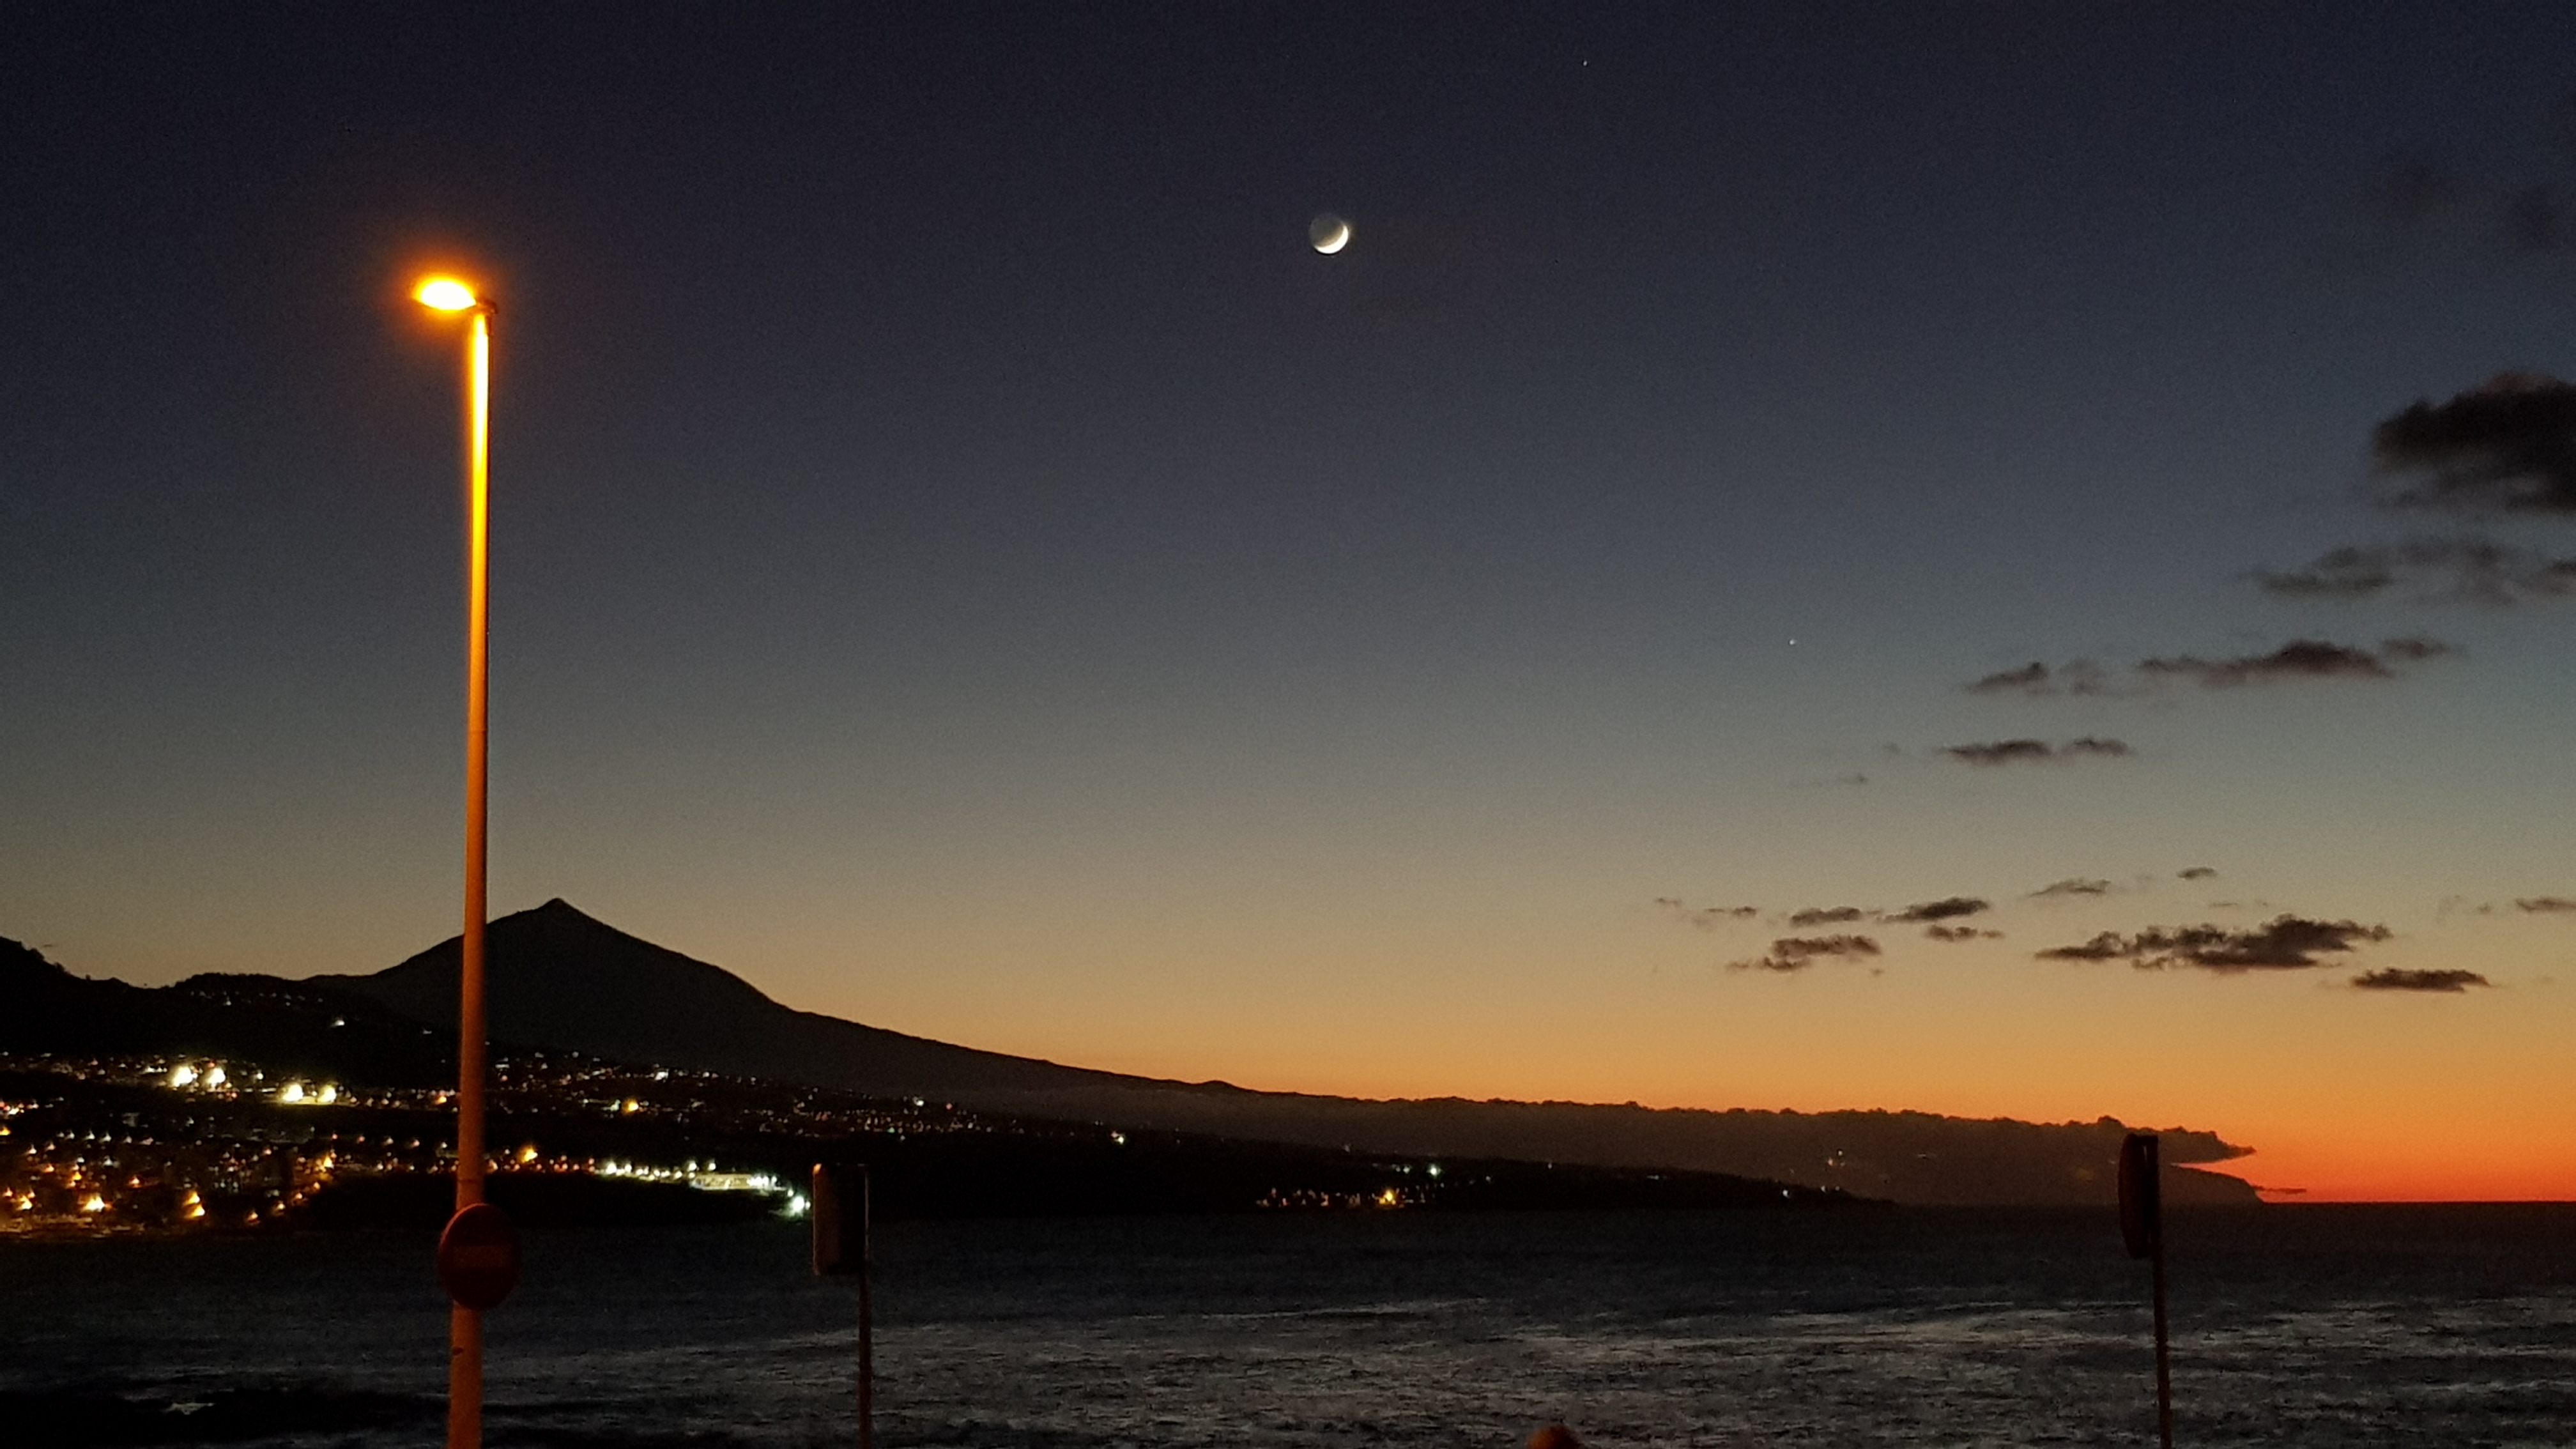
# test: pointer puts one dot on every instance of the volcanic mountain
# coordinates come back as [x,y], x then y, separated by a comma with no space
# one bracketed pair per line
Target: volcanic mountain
[560,979]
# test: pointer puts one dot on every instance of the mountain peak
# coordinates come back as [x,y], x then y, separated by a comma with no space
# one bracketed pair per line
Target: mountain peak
[557,908]
[557,976]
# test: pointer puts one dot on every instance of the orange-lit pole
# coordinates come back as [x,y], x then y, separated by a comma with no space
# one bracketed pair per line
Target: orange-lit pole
[465,1325]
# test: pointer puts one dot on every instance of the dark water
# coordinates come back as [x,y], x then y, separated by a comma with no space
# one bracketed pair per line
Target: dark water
[2293,1326]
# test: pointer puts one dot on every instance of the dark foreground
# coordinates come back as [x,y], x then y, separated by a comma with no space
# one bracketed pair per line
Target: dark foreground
[2294,1326]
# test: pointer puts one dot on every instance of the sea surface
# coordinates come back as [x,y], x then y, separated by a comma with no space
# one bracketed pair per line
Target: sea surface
[2291,1326]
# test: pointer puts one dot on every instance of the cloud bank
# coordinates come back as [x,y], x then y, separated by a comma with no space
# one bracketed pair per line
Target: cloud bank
[2300,659]
[2285,943]
[1948,908]
[2081,676]
[2398,978]
[1706,918]
[2507,445]
[2037,752]
[1797,953]
[2433,570]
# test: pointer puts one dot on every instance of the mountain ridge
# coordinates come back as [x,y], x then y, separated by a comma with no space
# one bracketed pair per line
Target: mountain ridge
[560,978]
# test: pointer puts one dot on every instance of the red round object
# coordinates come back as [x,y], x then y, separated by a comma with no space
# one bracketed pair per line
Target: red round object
[478,1257]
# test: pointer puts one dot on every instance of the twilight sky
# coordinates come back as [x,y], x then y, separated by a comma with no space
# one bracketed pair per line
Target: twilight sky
[964,562]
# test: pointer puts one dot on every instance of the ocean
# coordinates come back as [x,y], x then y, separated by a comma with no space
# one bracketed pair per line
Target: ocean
[2310,1325]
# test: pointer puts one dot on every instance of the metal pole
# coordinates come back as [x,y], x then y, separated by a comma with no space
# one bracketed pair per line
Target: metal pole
[465,1325]
[2164,1373]
[867,1319]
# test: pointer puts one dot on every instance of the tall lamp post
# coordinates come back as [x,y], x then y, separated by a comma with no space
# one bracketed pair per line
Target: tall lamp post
[465,1323]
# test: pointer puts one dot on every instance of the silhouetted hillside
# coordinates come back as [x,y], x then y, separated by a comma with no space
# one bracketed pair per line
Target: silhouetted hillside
[283,1024]
[558,978]
[561,979]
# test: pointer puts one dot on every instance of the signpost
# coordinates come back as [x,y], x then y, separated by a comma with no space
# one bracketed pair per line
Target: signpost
[478,1257]
[842,1249]
[2142,1228]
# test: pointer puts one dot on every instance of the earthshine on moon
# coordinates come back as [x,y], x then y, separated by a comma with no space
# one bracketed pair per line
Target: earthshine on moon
[1329,233]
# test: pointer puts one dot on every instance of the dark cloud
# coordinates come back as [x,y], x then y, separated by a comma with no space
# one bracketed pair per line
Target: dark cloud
[2195,872]
[2031,678]
[1961,933]
[2284,943]
[2033,752]
[2343,573]
[2298,659]
[1797,953]
[1706,918]
[1825,915]
[2439,570]
[2398,978]
[1948,908]
[2546,905]
[2002,752]
[2081,676]
[2074,886]
[2507,445]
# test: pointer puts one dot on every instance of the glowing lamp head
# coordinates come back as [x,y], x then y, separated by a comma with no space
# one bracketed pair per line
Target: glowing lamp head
[445,294]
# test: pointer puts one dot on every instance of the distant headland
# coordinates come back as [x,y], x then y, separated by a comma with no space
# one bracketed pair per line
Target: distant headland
[574,1000]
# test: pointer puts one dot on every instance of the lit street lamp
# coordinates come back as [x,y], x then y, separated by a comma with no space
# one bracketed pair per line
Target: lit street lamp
[465,1324]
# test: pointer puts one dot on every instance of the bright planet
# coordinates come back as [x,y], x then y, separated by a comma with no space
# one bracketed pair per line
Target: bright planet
[1329,233]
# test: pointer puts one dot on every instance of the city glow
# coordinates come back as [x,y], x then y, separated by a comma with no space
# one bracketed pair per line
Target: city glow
[445,294]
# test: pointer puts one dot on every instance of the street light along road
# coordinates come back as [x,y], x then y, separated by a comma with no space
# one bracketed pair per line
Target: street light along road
[465,1324]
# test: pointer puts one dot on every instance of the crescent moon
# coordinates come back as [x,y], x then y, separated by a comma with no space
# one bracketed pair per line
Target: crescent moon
[1329,233]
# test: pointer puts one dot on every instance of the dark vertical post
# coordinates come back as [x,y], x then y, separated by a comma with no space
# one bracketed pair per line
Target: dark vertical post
[843,1246]
[867,1320]
[2142,1229]
[2164,1370]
